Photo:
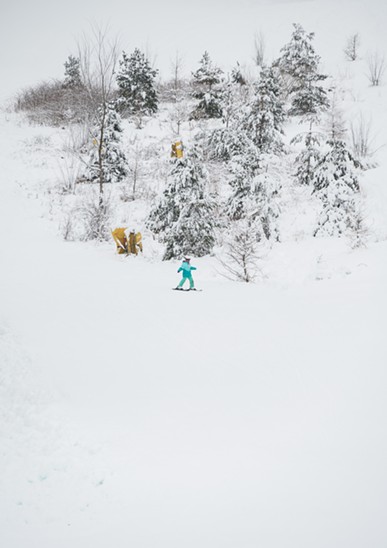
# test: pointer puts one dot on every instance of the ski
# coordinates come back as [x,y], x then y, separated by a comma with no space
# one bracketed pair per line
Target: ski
[186,290]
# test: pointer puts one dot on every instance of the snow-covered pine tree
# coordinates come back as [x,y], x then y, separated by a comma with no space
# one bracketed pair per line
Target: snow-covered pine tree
[299,66]
[230,140]
[225,143]
[298,58]
[337,186]
[107,162]
[254,196]
[311,100]
[237,76]
[233,96]
[265,115]
[184,217]
[309,157]
[206,82]
[72,78]
[136,85]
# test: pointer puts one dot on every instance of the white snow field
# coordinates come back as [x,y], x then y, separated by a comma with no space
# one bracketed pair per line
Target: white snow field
[243,416]
[132,415]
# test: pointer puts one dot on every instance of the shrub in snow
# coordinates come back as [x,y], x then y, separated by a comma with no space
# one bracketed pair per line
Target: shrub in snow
[184,217]
[351,49]
[376,64]
[362,138]
[51,104]
[89,219]
[206,82]
[136,86]
[241,259]
[336,185]
[360,234]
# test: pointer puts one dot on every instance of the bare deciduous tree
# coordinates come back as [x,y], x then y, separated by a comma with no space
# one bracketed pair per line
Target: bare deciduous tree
[259,48]
[136,169]
[361,137]
[334,123]
[376,64]
[177,77]
[98,56]
[178,114]
[241,260]
[351,49]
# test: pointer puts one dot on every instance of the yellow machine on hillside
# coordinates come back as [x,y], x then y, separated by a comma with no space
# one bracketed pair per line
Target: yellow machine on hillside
[127,242]
[177,149]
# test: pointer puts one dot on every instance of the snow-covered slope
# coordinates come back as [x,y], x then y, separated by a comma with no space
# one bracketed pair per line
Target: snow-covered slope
[134,415]
[243,415]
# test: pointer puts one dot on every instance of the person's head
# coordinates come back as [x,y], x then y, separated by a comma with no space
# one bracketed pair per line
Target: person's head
[187,259]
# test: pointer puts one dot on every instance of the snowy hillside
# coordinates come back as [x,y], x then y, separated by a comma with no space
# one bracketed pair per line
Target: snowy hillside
[245,414]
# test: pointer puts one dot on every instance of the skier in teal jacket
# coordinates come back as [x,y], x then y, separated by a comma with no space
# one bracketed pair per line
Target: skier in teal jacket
[186,269]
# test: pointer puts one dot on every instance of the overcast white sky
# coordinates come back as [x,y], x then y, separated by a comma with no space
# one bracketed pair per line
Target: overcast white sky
[36,36]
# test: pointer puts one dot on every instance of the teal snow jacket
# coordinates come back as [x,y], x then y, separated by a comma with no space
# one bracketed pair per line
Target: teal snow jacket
[186,269]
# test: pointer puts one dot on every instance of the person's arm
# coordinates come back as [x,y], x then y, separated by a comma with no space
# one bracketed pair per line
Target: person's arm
[180,269]
[193,268]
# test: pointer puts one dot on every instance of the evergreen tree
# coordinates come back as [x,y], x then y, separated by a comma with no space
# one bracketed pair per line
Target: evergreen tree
[107,161]
[309,157]
[233,97]
[206,82]
[73,78]
[237,76]
[230,140]
[254,196]
[298,58]
[299,63]
[311,100]
[184,217]
[226,143]
[265,115]
[136,85]
[336,185]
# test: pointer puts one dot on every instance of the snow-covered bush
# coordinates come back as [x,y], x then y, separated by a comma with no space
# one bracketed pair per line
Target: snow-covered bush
[89,218]
[351,50]
[376,64]
[241,258]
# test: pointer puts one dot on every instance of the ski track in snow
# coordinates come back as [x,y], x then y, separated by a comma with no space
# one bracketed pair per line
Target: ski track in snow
[132,415]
